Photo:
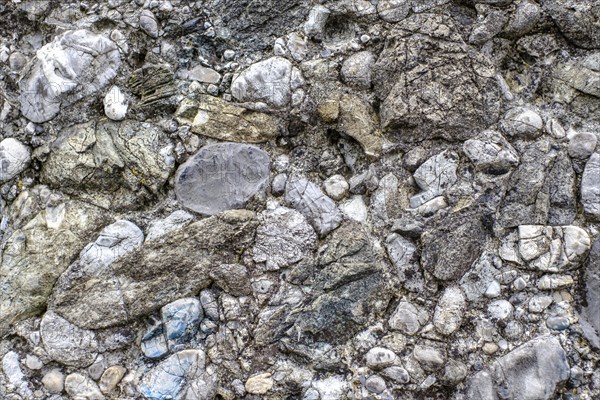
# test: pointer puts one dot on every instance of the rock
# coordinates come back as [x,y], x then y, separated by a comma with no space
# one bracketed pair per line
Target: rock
[412,79]
[200,74]
[112,164]
[259,384]
[375,384]
[54,381]
[582,145]
[14,374]
[81,387]
[552,282]
[476,282]
[283,238]
[115,104]
[449,311]
[359,121]
[397,374]
[561,182]
[384,201]
[271,81]
[403,253]
[578,21]
[379,358]
[71,67]
[309,200]
[393,10]
[232,279]
[14,158]
[67,343]
[39,252]
[434,176]
[535,370]
[176,220]
[216,118]
[181,320]
[354,209]
[522,122]
[33,362]
[557,323]
[169,378]
[336,187]
[590,314]
[163,270]
[356,69]
[539,303]
[154,343]
[581,74]
[492,154]
[407,318]
[500,309]
[111,378]
[317,18]
[430,358]
[590,187]
[454,372]
[221,177]
[149,24]
[278,185]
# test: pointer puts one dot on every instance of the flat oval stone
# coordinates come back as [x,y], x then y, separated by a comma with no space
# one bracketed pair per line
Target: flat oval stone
[221,177]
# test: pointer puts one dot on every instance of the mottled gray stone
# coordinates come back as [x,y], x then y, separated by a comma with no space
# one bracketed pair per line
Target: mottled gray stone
[393,10]
[582,145]
[71,67]
[396,374]
[79,386]
[310,201]
[521,122]
[403,253]
[356,69]
[449,311]
[590,316]
[67,343]
[12,369]
[379,358]
[407,318]
[577,20]
[172,222]
[221,177]
[181,320]
[476,281]
[14,158]
[492,153]
[590,187]
[434,176]
[375,384]
[317,18]
[430,358]
[535,370]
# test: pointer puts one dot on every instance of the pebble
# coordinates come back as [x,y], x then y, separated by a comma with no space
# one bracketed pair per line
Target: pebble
[355,209]
[111,378]
[379,357]
[539,303]
[557,323]
[278,185]
[397,374]
[148,23]
[407,318]
[522,122]
[519,284]
[375,384]
[493,290]
[490,348]
[259,384]
[590,186]
[449,311]
[500,309]
[115,104]
[229,54]
[336,187]
[430,358]
[54,381]
[356,70]
[582,145]
[33,362]
[81,387]
[14,158]
[181,320]
[552,282]
[317,18]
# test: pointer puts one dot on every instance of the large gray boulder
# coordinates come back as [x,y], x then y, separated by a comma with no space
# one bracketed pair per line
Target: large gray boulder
[578,20]
[71,67]
[221,177]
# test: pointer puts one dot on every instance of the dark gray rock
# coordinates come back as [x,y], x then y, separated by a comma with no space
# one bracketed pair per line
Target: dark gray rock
[590,321]
[221,177]
[577,20]
[590,187]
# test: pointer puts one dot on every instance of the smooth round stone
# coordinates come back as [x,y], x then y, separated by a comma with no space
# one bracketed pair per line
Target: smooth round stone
[500,309]
[375,384]
[221,177]
[582,145]
[557,323]
[54,381]
[115,104]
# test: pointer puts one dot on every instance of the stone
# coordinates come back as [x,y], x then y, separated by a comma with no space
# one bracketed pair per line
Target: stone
[375,384]
[590,187]
[561,182]
[81,387]
[396,374]
[431,359]
[476,282]
[74,65]
[149,24]
[539,303]
[111,164]
[492,154]
[259,384]
[403,254]
[214,117]
[283,238]
[359,121]
[578,21]
[336,187]
[354,209]
[384,201]
[181,320]
[317,18]
[582,145]
[67,343]
[500,310]
[379,358]
[111,377]
[200,74]
[33,362]
[393,10]
[590,313]
[115,104]
[356,69]
[221,177]
[535,370]
[278,185]
[171,267]
[12,370]
[271,81]
[174,221]
[54,381]
[558,323]
[413,74]
[36,254]
[581,74]
[449,311]
[454,372]
[232,279]
[407,318]
[14,158]
[170,377]
[553,282]
[434,176]
[306,197]
[522,122]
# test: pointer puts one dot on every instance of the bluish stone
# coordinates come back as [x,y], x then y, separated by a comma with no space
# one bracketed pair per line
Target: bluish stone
[181,320]
[558,323]
[168,379]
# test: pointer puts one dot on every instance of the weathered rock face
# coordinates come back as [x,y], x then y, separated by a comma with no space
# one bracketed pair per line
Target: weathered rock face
[74,65]
[578,22]
[532,371]
[591,312]
[590,187]
[419,101]
[113,165]
[221,177]
[169,267]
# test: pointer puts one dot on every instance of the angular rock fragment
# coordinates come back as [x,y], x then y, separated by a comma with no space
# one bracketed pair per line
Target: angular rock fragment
[590,187]
[71,67]
[407,318]
[578,21]
[492,154]
[358,120]
[181,320]
[14,158]
[221,177]
[449,311]
[590,321]
[403,253]
[67,343]
[434,176]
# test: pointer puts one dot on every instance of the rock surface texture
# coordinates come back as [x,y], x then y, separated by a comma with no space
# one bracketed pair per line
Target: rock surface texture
[293,199]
